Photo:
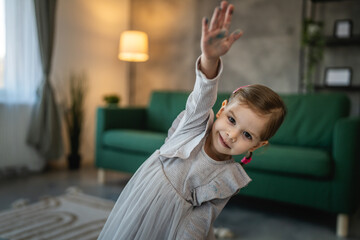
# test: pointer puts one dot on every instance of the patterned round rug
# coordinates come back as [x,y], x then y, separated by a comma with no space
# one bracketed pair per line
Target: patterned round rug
[73,215]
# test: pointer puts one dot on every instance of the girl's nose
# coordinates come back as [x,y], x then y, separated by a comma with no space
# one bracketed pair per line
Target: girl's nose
[232,136]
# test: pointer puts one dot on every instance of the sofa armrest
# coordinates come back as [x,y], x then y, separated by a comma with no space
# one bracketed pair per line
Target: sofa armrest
[116,118]
[346,156]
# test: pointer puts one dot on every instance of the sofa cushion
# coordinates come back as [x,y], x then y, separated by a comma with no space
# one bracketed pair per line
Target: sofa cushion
[166,105]
[134,140]
[311,119]
[164,108]
[293,161]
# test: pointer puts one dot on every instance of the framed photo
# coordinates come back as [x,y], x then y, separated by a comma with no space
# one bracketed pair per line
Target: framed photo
[343,28]
[338,76]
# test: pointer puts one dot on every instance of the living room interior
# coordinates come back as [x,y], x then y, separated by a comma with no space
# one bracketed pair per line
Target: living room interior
[274,51]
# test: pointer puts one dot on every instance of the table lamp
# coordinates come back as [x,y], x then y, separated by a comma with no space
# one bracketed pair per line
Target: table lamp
[133,47]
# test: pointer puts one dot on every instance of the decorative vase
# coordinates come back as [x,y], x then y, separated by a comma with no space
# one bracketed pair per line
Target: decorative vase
[74,160]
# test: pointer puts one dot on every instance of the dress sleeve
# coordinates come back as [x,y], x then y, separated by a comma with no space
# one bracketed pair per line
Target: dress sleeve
[201,99]
[191,124]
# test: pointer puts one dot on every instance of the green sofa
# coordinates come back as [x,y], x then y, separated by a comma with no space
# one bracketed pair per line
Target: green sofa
[312,160]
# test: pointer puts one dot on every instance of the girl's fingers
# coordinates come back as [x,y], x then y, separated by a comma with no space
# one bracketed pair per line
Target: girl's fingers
[221,17]
[228,16]
[205,26]
[214,19]
[234,36]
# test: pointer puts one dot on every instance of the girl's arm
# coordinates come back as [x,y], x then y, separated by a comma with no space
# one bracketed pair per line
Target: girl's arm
[215,42]
[215,38]
[190,126]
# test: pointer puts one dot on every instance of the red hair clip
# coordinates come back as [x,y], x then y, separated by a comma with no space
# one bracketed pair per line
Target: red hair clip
[247,159]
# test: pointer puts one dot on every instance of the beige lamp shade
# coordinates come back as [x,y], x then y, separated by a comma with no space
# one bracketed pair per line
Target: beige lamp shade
[133,46]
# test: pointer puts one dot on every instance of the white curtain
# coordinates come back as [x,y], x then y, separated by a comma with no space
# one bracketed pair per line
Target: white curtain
[22,65]
[22,76]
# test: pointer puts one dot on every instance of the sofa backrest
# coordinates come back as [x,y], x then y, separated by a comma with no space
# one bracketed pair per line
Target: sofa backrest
[164,108]
[309,122]
[166,105]
[311,119]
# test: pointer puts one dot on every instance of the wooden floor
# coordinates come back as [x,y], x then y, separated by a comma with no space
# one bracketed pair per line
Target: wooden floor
[247,218]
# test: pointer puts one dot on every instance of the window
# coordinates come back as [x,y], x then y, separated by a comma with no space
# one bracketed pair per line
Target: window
[21,64]
[2,42]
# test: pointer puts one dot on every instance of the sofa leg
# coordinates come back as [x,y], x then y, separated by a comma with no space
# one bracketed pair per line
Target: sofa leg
[101,176]
[342,225]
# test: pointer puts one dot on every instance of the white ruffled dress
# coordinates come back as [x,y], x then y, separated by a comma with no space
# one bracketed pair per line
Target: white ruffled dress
[179,190]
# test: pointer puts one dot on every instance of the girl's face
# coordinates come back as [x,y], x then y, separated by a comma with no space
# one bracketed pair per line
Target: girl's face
[236,131]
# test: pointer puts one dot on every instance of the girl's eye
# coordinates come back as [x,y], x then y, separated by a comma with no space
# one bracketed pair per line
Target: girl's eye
[247,135]
[232,120]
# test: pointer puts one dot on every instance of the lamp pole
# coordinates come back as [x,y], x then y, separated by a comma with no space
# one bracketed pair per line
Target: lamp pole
[132,83]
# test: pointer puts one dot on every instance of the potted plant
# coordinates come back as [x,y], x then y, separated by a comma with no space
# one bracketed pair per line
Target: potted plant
[112,100]
[74,116]
[313,41]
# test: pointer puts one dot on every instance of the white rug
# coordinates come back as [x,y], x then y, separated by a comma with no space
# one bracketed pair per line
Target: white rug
[73,215]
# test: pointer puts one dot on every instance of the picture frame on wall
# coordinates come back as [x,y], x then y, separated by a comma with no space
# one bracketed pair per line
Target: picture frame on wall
[338,76]
[343,28]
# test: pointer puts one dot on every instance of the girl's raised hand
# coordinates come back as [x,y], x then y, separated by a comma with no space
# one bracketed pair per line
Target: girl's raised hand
[215,37]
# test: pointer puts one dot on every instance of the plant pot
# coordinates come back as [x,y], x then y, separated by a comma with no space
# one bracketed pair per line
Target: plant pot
[112,105]
[74,160]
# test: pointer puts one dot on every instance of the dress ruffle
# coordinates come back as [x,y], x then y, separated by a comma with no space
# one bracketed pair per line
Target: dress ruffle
[221,187]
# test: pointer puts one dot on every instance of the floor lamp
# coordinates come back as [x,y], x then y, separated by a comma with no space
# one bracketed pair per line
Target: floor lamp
[133,47]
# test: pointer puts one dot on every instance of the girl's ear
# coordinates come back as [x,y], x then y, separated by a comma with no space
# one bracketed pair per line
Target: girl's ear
[224,103]
[259,145]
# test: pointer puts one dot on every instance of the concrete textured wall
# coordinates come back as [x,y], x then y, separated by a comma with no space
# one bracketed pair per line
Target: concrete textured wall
[268,53]
[172,45]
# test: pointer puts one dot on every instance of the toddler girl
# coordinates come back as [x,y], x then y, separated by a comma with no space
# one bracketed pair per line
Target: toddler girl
[179,191]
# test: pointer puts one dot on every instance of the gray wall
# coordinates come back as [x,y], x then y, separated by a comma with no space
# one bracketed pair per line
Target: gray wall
[268,52]
[173,45]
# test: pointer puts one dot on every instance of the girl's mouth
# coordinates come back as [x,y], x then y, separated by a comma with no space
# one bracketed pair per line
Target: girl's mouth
[223,142]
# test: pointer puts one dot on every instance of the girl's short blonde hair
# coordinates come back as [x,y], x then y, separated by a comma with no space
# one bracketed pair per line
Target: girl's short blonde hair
[263,101]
